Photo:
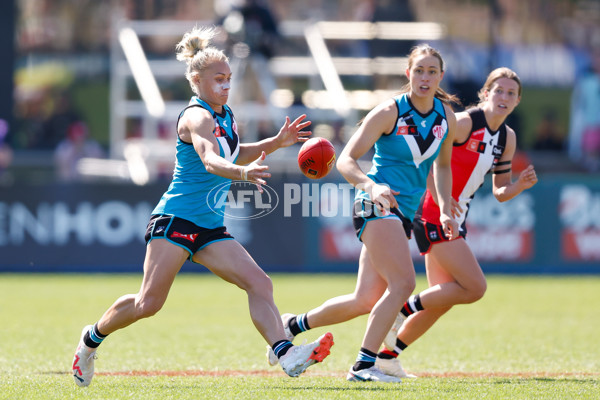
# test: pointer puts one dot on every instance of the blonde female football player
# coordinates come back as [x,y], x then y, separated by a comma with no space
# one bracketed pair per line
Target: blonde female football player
[483,143]
[186,225]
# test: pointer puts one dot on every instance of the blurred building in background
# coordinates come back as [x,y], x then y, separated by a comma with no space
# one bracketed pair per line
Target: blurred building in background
[105,71]
[68,53]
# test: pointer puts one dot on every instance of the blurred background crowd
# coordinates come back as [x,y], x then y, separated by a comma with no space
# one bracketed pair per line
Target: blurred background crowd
[60,100]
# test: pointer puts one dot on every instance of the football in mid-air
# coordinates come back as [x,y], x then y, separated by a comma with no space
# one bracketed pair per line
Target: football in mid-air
[316,157]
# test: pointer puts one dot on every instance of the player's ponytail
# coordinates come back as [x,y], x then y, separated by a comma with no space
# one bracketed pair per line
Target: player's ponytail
[195,50]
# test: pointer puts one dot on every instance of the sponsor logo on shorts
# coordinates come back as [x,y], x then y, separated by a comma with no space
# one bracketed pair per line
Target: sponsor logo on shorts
[187,236]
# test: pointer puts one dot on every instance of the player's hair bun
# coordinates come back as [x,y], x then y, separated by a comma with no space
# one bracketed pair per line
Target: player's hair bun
[193,42]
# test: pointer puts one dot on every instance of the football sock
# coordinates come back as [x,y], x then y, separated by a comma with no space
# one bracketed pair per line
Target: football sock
[281,347]
[365,359]
[93,337]
[412,305]
[386,354]
[298,324]
[389,354]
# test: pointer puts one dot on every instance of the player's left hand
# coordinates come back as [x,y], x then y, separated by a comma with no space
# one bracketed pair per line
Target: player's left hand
[255,172]
[528,177]
[455,208]
[291,132]
[449,226]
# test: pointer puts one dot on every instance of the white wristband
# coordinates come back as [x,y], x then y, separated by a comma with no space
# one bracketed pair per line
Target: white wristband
[244,174]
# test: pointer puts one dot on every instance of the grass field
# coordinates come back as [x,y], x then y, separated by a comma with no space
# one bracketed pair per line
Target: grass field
[530,337]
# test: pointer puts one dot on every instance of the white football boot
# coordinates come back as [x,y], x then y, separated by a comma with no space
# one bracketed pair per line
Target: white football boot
[392,367]
[372,374]
[83,361]
[271,357]
[299,358]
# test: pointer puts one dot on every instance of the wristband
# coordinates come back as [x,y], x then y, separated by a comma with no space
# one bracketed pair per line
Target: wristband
[244,174]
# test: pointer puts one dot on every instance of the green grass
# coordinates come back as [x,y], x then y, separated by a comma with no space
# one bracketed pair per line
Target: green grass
[528,338]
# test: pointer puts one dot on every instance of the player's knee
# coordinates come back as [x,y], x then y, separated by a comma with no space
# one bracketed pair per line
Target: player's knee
[148,306]
[363,301]
[364,304]
[402,287]
[477,291]
[260,284]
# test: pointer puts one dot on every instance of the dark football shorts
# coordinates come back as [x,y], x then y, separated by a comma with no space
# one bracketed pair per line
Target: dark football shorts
[428,234]
[365,210]
[183,233]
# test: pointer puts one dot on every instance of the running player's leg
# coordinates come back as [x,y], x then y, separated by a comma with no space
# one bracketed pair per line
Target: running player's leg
[454,277]
[468,282]
[162,263]
[413,327]
[389,255]
[417,324]
[369,288]
[230,261]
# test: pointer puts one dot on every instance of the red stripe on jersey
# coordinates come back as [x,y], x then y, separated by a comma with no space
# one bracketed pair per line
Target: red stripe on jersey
[471,161]
[463,164]
[478,134]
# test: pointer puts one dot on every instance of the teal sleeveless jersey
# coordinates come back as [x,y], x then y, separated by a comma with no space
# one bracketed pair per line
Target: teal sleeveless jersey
[403,158]
[195,194]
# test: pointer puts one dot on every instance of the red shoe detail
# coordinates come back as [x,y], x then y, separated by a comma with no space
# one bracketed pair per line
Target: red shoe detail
[75,366]
[322,351]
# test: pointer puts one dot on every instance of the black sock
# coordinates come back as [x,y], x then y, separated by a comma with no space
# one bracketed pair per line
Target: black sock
[93,337]
[400,345]
[366,359]
[412,305]
[298,324]
[387,354]
[281,347]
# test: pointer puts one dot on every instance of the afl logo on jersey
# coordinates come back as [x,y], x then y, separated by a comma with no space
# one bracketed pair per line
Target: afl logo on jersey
[438,131]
